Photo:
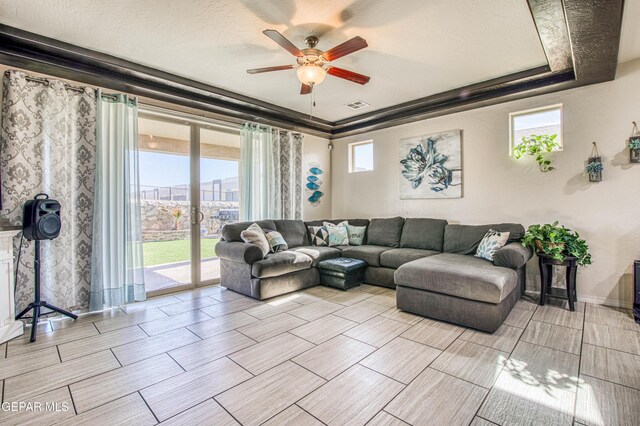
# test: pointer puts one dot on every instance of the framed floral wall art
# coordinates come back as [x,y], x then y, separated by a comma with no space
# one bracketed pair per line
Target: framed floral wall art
[431,166]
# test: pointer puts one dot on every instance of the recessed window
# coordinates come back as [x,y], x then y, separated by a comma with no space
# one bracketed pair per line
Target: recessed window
[539,121]
[360,156]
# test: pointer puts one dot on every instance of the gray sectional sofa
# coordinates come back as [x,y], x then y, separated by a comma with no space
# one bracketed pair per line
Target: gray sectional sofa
[429,262]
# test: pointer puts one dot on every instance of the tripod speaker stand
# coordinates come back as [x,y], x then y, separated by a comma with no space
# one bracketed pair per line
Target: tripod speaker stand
[41,221]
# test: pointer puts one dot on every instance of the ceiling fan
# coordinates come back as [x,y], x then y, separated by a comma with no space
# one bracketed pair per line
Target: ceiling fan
[312,65]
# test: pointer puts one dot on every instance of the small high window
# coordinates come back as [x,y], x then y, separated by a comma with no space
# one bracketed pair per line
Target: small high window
[360,156]
[539,121]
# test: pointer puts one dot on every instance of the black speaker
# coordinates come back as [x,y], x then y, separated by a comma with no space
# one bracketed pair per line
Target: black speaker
[41,218]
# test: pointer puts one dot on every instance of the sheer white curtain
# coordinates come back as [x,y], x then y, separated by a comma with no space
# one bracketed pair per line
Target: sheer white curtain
[117,275]
[270,173]
[257,189]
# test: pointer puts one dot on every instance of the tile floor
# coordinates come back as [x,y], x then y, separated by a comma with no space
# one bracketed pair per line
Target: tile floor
[321,356]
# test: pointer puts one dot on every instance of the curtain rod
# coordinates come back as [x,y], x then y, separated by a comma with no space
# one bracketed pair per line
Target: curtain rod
[66,85]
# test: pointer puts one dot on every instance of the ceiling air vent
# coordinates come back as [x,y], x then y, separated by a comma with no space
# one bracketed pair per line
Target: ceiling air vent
[357,105]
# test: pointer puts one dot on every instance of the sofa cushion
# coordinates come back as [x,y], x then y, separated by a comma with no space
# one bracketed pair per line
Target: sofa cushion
[464,239]
[370,254]
[513,255]
[394,258]
[231,231]
[426,234]
[356,222]
[318,254]
[284,262]
[458,275]
[385,232]
[294,232]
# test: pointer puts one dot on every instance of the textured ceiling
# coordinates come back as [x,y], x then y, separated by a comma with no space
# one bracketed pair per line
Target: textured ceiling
[416,47]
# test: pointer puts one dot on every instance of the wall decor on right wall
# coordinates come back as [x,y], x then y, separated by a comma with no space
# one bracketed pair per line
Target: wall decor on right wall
[313,184]
[634,145]
[431,166]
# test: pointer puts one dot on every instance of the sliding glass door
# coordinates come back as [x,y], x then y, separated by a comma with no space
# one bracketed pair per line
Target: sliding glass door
[189,190]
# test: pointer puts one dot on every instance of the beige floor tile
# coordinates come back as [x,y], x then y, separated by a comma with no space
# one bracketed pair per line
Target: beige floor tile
[536,385]
[474,363]
[136,317]
[341,401]
[49,378]
[385,419]
[30,361]
[361,312]
[130,410]
[322,292]
[401,359]
[112,385]
[270,327]
[235,305]
[208,413]
[271,308]
[604,403]
[21,345]
[528,305]
[614,366]
[207,350]
[398,315]
[269,393]
[616,338]
[377,331]
[323,329]
[372,289]
[479,421]
[433,333]
[82,347]
[388,300]
[173,322]
[269,353]
[334,356]
[553,336]
[60,400]
[293,415]
[315,310]
[188,305]
[348,298]
[65,322]
[152,346]
[503,339]
[519,317]
[218,325]
[153,302]
[225,295]
[559,316]
[186,390]
[212,290]
[304,298]
[435,398]
[611,316]
[564,304]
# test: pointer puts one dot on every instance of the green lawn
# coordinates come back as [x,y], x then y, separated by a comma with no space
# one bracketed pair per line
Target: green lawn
[161,252]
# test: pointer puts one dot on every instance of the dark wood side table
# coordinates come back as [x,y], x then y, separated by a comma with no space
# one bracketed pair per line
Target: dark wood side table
[546,264]
[636,291]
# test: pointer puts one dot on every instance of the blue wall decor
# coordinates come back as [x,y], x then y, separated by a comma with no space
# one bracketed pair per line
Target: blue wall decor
[313,185]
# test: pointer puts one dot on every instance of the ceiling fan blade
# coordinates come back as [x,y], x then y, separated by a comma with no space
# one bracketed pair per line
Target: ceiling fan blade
[306,89]
[348,75]
[345,48]
[268,69]
[284,42]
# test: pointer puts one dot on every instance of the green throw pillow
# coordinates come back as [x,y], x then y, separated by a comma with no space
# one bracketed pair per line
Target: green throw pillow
[356,234]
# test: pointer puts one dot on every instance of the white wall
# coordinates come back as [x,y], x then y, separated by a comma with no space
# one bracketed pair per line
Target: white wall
[498,188]
[316,151]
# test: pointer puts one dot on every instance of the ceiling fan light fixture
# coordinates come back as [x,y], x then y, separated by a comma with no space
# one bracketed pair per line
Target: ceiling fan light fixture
[311,75]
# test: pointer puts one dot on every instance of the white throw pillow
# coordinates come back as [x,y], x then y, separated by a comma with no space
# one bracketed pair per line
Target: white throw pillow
[276,241]
[255,235]
[491,243]
[338,234]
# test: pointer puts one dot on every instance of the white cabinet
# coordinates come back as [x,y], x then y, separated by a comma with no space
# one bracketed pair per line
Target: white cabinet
[9,327]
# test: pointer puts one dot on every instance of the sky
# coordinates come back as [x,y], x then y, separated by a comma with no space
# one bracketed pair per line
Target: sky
[540,119]
[159,169]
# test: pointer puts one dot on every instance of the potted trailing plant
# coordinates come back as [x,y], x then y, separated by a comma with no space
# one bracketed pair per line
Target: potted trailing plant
[634,149]
[540,146]
[558,242]
[594,168]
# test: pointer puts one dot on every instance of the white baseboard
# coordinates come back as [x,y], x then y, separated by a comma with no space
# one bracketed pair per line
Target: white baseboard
[596,300]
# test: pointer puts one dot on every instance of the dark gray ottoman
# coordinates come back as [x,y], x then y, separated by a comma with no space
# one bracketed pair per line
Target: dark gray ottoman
[342,272]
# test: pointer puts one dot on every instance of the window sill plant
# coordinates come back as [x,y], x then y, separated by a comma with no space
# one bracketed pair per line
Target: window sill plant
[540,146]
[558,242]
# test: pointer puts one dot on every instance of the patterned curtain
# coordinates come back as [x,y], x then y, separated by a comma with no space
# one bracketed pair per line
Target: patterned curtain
[287,166]
[48,144]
